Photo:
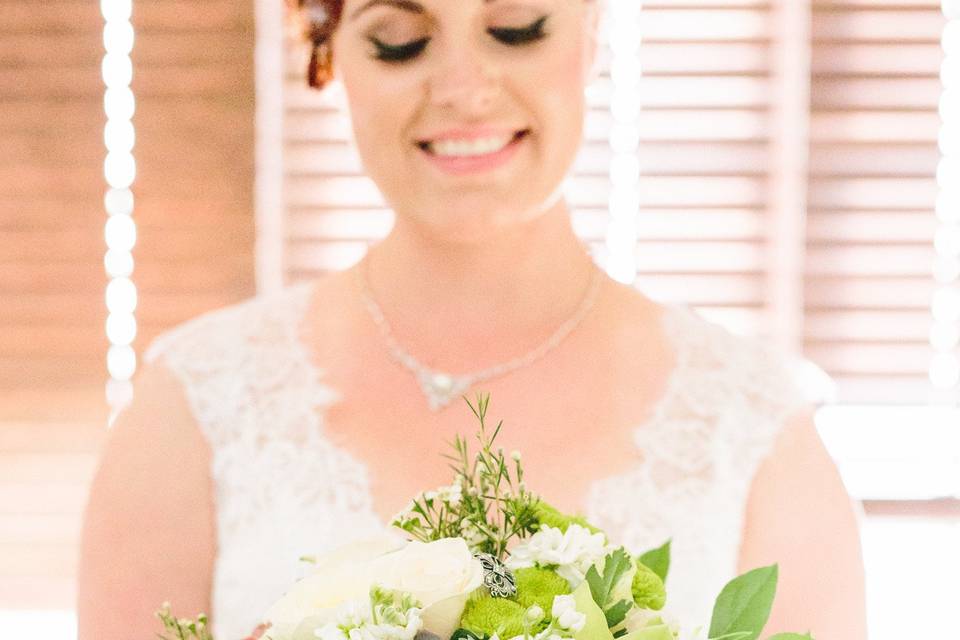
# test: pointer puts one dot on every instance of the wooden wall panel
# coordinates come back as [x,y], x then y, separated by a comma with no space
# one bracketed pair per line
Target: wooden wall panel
[51,189]
[193,78]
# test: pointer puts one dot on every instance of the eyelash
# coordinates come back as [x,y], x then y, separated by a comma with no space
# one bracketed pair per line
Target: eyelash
[512,37]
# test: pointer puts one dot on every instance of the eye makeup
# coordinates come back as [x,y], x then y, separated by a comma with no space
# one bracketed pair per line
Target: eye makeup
[508,36]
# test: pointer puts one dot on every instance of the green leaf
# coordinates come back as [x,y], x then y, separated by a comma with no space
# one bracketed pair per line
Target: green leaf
[596,626]
[616,613]
[791,636]
[654,632]
[736,635]
[658,560]
[745,603]
[615,565]
[463,634]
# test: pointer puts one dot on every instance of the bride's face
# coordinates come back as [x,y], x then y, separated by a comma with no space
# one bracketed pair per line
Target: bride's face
[467,113]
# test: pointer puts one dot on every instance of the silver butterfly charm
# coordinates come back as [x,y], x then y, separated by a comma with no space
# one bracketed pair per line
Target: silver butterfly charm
[496,576]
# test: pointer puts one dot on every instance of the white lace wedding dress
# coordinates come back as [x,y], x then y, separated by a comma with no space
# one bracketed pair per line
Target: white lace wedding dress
[282,490]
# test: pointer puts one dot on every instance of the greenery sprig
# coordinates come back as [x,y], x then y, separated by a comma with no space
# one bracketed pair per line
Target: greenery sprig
[488,504]
[182,628]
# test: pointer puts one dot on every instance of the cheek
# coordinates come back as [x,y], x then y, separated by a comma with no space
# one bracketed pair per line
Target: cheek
[563,95]
[380,114]
[375,110]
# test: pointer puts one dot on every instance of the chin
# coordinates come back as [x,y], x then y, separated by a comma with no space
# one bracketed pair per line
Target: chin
[471,228]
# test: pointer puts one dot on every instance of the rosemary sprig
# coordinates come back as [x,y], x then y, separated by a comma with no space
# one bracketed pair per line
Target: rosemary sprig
[488,504]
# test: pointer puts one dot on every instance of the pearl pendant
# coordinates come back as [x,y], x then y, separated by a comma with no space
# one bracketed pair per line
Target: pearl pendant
[441,388]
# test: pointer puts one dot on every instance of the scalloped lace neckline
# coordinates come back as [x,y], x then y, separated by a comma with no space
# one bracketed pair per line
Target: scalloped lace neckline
[671,321]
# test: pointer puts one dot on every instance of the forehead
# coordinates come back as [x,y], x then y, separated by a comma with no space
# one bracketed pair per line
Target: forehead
[354,8]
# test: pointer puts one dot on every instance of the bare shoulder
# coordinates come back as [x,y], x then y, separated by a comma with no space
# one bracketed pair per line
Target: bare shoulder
[148,533]
[800,516]
[628,317]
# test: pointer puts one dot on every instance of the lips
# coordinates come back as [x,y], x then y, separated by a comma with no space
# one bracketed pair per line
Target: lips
[467,138]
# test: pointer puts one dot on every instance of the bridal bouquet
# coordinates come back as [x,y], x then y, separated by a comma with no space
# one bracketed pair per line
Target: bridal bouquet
[487,559]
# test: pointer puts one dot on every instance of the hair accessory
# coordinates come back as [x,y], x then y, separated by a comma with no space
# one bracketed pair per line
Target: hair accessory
[320,70]
[315,12]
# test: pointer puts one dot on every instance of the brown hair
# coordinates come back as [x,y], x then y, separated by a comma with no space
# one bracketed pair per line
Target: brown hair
[315,22]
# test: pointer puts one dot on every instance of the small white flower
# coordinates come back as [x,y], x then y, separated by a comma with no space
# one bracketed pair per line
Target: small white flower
[566,615]
[534,614]
[471,534]
[330,632]
[353,613]
[452,494]
[430,495]
[573,552]
[515,455]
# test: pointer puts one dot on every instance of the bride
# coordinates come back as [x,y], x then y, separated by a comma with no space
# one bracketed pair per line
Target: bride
[291,423]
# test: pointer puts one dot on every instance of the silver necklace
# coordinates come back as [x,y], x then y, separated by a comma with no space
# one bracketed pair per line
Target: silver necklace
[441,387]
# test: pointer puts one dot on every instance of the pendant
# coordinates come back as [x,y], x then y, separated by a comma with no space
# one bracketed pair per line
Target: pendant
[441,388]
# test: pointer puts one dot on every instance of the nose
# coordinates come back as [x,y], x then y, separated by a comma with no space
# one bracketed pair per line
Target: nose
[465,81]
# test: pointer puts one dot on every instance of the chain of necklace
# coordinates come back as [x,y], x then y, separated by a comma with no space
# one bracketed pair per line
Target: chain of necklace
[440,387]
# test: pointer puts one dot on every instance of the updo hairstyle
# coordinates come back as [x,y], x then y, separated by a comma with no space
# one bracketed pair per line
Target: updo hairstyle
[315,21]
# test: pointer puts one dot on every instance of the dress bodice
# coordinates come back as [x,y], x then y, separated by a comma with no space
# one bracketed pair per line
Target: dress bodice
[282,490]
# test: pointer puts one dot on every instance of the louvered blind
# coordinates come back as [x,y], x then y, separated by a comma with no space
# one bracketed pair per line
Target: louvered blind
[704,152]
[872,191]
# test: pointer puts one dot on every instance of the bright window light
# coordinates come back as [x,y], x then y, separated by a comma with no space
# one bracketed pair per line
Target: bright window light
[944,370]
[39,625]
[625,106]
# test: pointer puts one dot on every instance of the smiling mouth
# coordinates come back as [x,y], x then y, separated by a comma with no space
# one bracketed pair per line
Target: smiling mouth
[427,145]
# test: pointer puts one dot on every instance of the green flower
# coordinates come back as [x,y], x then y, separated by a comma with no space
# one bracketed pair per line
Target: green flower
[536,586]
[548,515]
[486,616]
[648,589]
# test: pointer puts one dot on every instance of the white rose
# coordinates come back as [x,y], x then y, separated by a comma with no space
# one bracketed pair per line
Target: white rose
[360,551]
[440,574]
[341,575]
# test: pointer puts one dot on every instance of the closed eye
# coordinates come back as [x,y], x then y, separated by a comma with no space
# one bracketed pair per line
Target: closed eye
[525,35]
[399,53]
[409,50]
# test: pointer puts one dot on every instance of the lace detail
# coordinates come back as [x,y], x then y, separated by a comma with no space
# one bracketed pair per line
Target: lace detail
[726,401]
[283,490]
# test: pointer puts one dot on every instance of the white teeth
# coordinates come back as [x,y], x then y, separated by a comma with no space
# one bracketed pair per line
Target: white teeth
[465,148]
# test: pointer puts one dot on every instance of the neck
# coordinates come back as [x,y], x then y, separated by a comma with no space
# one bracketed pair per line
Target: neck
[461,306]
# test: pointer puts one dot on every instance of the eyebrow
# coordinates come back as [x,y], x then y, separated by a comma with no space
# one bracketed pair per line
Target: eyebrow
[406,5]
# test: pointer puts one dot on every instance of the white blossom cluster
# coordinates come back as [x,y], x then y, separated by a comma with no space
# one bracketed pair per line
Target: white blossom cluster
[471,533]
[570,553]
[354,620]
[451,495]
[567,621]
